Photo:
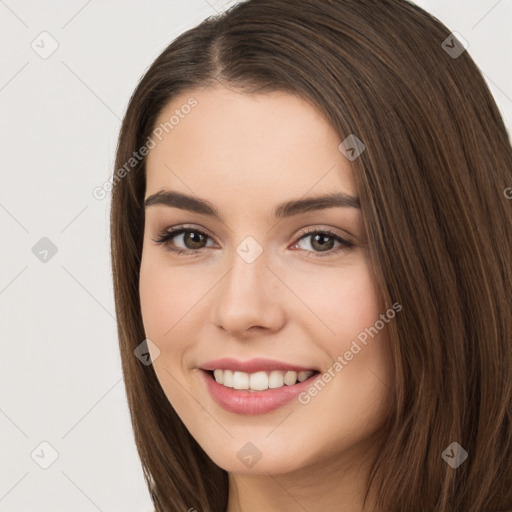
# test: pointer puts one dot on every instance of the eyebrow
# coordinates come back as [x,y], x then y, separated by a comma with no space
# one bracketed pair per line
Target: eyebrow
[287,209]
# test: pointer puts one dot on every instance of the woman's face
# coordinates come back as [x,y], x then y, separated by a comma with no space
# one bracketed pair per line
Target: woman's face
[259,291]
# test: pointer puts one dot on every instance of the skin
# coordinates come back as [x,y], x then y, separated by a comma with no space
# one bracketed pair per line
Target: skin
[245,154]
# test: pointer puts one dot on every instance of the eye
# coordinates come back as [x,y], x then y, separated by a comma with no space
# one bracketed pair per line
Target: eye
[193,240]
[190,241]
[321,242]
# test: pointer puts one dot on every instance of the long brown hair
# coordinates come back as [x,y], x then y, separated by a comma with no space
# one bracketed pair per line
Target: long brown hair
[431,184]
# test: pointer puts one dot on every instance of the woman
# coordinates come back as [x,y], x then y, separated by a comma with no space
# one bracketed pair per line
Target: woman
[312,258]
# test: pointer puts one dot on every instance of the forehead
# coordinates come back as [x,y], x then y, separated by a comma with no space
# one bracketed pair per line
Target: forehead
[238,146]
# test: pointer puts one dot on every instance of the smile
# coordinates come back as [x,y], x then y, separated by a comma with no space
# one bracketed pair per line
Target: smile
[260,381]
[257,386]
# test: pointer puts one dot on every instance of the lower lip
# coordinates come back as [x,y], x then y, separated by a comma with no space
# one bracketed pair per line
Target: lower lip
[257,402]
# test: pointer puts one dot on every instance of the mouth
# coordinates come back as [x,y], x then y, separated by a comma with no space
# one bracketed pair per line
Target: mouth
[259,381]
[258,392]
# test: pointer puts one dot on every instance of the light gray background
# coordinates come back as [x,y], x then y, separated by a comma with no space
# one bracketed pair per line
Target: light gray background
[60,371]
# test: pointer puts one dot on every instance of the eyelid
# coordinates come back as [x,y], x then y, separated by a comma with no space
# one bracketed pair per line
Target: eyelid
[319,229]
[169,233]
[159,232]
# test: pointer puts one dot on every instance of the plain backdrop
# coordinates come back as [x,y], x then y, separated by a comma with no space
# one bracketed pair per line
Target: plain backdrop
[62,400]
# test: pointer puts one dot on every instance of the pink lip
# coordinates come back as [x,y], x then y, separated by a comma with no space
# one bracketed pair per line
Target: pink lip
[258,402]
[251,366]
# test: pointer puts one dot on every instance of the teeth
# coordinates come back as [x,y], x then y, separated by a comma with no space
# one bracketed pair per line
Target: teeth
[290,378]
[241,380]
[302,376]
[260,381]
[227,378]
[219,374]
[276,379]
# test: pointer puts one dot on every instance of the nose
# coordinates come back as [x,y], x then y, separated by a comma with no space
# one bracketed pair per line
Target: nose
[249,299]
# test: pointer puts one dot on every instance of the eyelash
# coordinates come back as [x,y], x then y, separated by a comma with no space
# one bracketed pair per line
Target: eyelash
[166,236]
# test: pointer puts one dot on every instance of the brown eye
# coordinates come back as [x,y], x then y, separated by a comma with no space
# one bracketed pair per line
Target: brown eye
[194,240]
[322,242]
[183,239]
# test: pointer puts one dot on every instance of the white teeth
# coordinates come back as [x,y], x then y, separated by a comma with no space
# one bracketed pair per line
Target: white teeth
[290,378]
[260,381]
[276,379]
[218,374]
[227,378]
[240,380]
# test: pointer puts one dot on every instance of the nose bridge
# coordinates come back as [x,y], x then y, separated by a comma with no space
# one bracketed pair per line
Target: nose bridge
[246,297]
[249,273]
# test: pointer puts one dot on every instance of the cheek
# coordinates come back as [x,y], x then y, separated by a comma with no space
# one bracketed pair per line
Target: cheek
[343,299]
[347,324]
[166,294]
[165,297]
[175,308]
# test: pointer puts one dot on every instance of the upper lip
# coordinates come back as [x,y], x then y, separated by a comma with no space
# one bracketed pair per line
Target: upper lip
[251,365]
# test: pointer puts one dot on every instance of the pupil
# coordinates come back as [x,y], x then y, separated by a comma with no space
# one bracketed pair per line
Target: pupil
[322,245]
[190,236]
